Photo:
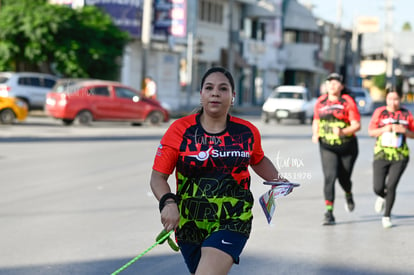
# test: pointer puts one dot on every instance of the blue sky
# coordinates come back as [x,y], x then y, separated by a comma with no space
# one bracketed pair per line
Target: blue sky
[327,9]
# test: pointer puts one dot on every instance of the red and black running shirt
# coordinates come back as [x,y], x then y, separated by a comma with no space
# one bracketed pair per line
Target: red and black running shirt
[337,113]
[213,180]
[382,117]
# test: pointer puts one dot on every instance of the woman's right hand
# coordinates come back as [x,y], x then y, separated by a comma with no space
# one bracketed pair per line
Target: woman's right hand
[315,138]
[387,128]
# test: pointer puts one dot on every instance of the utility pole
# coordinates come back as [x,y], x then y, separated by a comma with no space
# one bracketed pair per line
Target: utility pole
[145,37]
[191,31]
[338,35]
[389,47]
[355,52]
[190,54]
[230,58]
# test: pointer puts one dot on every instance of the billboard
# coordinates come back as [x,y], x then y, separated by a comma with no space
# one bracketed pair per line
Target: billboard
[126,14]
[169,16]
[366,24]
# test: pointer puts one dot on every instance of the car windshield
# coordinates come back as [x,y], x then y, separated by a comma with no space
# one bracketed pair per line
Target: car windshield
[3,79]
[358,93]
[288,95]
[67,86]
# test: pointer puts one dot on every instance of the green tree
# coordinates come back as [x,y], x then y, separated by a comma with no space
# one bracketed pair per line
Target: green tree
[37,36]
[406,27]
[380,81]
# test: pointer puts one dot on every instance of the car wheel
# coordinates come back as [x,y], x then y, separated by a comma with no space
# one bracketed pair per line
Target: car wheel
[7,116]
[302,119]
[25,100]
[85,117]
[265,118]
[67,121]
[154,118]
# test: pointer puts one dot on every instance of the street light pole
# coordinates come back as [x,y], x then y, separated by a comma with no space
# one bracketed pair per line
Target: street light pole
[389,48]
[230,58]
[355,53]
[192,8]
[190,51]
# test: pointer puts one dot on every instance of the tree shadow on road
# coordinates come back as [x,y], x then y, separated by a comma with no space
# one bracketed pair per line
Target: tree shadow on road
[174,264]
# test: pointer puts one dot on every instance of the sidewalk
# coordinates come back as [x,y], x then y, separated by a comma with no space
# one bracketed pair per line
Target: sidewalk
[236,110]
[247,110]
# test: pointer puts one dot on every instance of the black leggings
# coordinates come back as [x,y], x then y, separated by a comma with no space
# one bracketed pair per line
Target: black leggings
[338,164]
[392,171]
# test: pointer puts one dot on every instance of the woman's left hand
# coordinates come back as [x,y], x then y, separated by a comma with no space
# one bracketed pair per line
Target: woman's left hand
[170,216]
[398,128]
[337,131]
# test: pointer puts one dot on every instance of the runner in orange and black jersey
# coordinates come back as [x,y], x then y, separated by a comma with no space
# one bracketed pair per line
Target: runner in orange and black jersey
[391,125]
[210,151]
[333,114]
[336,120]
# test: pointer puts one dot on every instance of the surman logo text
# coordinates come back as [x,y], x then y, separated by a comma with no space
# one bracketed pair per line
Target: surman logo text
[203,155]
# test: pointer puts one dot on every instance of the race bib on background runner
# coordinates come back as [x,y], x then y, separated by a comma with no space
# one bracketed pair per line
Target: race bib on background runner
[391,139]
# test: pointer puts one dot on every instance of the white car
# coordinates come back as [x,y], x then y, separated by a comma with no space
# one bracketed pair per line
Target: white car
[289,102]
[29,87]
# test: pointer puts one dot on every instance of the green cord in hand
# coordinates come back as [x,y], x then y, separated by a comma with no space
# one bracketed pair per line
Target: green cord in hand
[171,243]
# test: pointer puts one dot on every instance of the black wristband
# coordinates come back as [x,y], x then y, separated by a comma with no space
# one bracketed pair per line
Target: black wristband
[166,197]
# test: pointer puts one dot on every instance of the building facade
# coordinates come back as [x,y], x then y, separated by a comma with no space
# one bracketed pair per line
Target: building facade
[374,60]
[264,43]
[302,41]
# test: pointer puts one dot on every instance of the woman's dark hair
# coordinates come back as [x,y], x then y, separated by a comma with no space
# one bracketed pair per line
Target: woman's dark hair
[218,70]
[391,89]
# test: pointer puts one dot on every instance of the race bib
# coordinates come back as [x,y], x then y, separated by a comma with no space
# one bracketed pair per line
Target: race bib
[391,139]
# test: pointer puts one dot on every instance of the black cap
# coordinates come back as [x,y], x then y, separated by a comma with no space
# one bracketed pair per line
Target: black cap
[335,76]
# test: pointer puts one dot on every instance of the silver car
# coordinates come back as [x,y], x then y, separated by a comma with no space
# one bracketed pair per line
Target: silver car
[363,100]
[29,87]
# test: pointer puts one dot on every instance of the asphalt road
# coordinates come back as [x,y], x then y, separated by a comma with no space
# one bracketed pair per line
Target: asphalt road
[76,200]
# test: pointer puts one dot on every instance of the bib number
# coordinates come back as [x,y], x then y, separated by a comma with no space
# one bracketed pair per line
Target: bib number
[391,139]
